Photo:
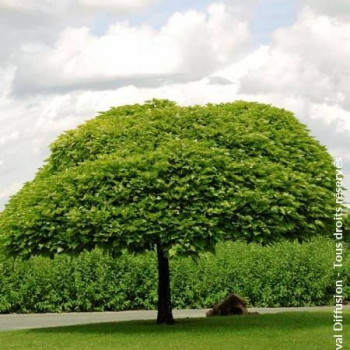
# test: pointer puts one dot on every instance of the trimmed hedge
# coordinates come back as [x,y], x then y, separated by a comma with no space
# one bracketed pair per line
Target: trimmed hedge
[286,274]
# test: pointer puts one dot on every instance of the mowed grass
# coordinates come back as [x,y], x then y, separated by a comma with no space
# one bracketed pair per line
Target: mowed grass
[284,331]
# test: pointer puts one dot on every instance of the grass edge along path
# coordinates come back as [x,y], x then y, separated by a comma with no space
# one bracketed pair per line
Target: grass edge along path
[281,331]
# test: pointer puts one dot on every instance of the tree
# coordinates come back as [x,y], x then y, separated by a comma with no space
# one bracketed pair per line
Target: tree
[175,179]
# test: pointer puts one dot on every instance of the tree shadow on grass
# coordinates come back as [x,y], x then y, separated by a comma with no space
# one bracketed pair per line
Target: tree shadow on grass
[239,324]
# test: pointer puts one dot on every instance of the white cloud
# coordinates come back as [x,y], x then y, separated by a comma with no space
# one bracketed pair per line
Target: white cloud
[252,61]
[117,5]
[29,5]
[51,6]
[35,23]
[189,46]
[330,8]
[12,137]
[13,188]
[309,59]
[332,115]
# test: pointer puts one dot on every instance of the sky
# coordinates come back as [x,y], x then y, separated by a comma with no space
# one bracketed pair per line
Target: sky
[61,62]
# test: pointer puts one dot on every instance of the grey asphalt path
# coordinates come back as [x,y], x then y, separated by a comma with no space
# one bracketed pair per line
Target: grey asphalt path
[29,321]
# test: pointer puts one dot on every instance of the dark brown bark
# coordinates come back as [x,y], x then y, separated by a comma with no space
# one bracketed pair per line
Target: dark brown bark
[165,314]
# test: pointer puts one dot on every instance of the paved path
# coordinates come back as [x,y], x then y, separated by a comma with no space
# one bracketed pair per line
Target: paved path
[27,321]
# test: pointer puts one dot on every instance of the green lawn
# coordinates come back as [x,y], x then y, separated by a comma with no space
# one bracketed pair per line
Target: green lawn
[288,331]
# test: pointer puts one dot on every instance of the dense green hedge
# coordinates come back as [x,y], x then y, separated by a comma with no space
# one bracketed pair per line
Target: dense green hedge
[286,274]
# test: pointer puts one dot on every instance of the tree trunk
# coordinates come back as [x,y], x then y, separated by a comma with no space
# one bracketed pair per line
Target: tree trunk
[165,314]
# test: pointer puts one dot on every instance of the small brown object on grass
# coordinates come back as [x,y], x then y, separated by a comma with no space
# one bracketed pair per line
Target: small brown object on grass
[231,305]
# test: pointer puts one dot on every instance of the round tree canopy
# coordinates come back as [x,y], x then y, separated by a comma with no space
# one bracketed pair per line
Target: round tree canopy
[182,177]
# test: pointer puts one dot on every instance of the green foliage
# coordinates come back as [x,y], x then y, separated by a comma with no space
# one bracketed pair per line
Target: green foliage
[286,274]
[188,177]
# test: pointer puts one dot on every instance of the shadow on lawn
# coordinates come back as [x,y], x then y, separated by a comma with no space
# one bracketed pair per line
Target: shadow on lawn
[279,322]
